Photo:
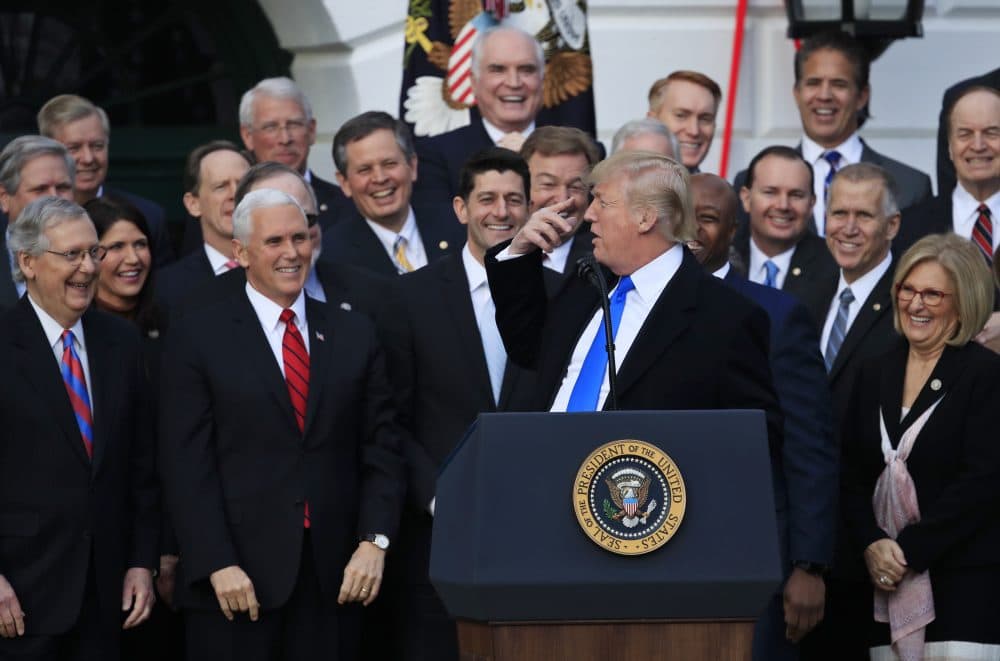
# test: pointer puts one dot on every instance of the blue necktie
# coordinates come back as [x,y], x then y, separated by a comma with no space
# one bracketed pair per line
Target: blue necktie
[587,389]
[833,158]
[839,329]
[771,279]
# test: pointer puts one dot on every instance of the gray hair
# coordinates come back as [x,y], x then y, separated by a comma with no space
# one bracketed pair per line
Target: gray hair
[277,88]
[642,127]
[262,198]
[65,108]
[25,148]
[483,37]
[27,233]
[861,172]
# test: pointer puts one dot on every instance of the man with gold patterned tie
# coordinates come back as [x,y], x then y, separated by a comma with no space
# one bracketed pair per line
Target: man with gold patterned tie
[79,503]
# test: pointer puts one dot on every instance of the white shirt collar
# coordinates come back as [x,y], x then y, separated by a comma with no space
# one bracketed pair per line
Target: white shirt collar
[269,312]
[474,271]
[783,260]
[850,150]
[54,330]
[965,211]
[651,279]
[216,259]
[388,238]
[496,134]
[863,286]
[307,175]
[722,272]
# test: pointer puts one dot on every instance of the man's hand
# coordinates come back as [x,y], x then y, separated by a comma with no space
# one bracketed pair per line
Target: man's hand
[545,230]
[11,615]
[363,575]
[234,590]
[886,564]
[804,601]
[989,337]
[138,595]
[165,578]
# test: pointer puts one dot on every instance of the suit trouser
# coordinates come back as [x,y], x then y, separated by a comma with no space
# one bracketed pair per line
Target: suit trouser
[87,640]
[308,627]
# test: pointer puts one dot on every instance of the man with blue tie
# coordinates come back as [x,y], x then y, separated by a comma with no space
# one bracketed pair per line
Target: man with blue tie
[684,340]
[79,515]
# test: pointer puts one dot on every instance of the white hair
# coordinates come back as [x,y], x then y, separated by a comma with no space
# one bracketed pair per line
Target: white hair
[262,198]
[277,88]
[483,37]
[641,127]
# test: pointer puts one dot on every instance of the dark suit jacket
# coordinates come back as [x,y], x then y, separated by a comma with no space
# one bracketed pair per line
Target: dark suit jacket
[236,469]
[703,346]
[8,291]
[955,462]
[60,512]
[352,242]
[931,216]
[440,159]
[945,168]
[333,205]
[583,245]
[156,218]
[811,270]
[912,185]
[805,475]
[871,335]
[177,283]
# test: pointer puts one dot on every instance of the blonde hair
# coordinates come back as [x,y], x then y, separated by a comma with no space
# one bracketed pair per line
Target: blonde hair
[969,275]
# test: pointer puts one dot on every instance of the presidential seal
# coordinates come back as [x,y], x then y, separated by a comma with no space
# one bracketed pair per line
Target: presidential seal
[629,497]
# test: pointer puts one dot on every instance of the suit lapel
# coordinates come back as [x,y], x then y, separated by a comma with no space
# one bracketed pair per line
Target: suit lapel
[437,240]
[249,338]
[949,366]
[891,391]
[105,365]
[36,361]
[670,315]
[323,336]
[455,285]
[879,303]
[369,249]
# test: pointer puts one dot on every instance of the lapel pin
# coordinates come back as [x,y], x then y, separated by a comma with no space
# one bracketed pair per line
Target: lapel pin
[936,385]
[796,271]
[345,306]
[443,245]
[323,208]
[153,334]
[877,307]
[319,336]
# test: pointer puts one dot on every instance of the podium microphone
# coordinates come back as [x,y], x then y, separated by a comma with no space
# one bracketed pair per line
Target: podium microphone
[588,268]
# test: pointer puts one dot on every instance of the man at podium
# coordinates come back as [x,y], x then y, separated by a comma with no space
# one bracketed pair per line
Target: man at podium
[683,339]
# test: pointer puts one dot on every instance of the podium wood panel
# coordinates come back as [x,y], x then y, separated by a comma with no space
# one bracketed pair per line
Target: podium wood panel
[604,641]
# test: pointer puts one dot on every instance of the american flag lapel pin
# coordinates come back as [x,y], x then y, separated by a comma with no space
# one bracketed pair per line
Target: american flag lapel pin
[319,336]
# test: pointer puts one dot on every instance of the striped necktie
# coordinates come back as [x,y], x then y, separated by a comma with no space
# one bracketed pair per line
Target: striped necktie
[399,253]
[76,388]
[839,329]
[296,359]
[833,158]
[982,233]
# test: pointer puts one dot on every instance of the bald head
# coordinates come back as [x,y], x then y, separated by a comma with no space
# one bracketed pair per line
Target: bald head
[714,203]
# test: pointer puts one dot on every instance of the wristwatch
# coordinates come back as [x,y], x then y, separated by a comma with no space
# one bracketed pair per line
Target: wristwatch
[813,568]
[378,540]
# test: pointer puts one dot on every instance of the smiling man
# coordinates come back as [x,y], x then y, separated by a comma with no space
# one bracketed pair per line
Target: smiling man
[78,557]
[687,103]
[507,69]
[377,167]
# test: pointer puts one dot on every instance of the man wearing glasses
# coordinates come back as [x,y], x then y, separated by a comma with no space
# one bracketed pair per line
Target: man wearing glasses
[79,515]
[277,124]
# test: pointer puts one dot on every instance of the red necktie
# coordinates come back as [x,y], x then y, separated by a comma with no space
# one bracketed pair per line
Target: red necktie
[982,233]
[296,359]
[231,264]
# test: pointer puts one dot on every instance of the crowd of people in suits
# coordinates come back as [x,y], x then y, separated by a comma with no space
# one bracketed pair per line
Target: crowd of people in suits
[227,446]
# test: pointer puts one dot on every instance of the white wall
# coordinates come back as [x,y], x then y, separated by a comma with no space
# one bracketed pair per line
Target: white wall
[349,54]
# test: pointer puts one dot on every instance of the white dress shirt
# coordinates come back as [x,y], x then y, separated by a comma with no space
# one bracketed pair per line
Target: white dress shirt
[965,213]
[415,253]
[217,260]
[850,153]
[269,313]
[482,305]
[53,334]
[722,272]
[862,289]
[556,260]
[313,287]
[757,272]
[649,281]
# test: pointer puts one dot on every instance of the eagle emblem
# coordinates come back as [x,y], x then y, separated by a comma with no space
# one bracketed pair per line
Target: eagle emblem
[629,489]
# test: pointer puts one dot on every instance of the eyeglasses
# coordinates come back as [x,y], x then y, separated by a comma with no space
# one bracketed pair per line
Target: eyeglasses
[931,297]
[75,257]
[295,128]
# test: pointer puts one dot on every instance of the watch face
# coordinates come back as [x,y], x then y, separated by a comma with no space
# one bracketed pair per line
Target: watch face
[381,541]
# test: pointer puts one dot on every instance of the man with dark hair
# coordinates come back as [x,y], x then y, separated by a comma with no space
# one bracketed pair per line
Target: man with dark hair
[779,251]
[832,93]
[687,102]
[85,130]
[805,475]
[376,167]
[78,491]
[559,159]
[211,174]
